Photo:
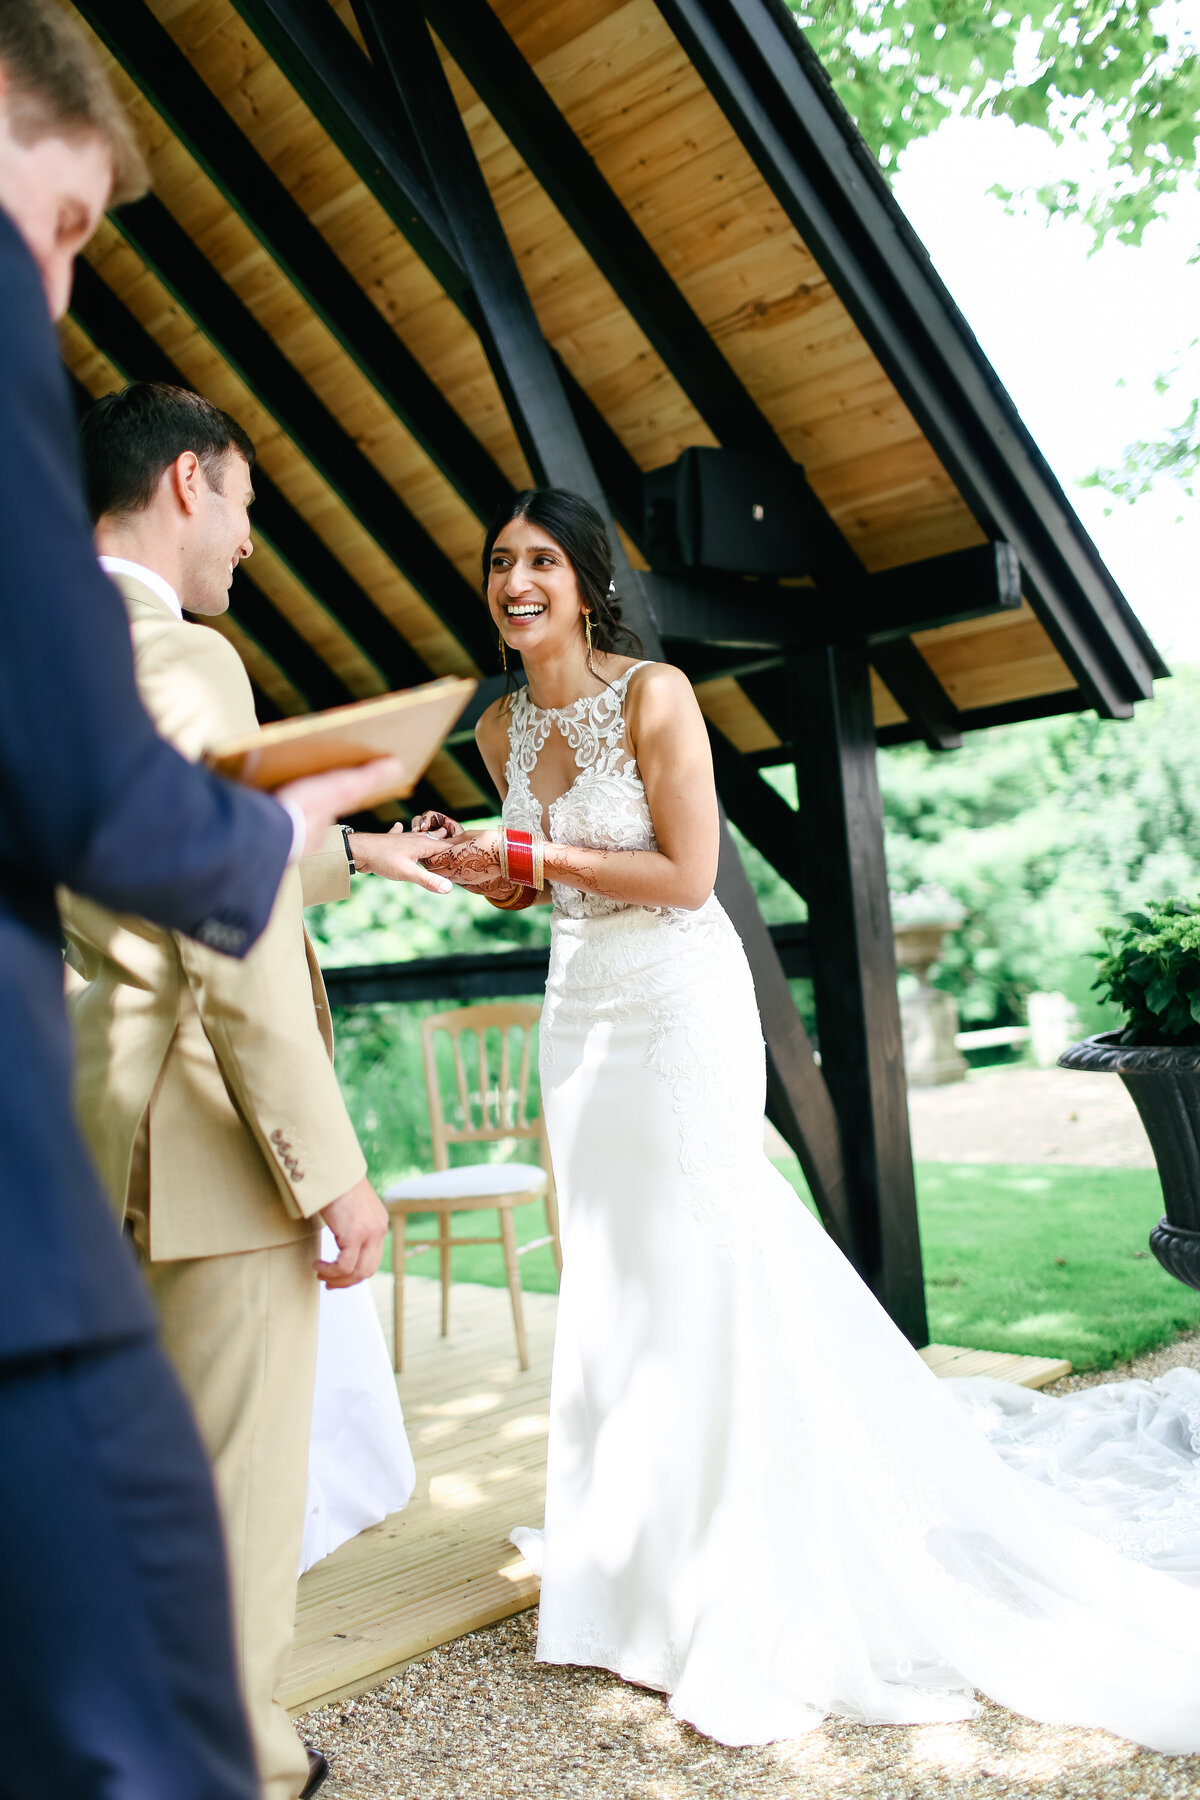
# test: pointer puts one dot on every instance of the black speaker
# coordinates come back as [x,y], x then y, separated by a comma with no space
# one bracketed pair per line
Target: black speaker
[721,510]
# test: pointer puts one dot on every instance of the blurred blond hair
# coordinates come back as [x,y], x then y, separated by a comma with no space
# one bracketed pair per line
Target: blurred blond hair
[59,89]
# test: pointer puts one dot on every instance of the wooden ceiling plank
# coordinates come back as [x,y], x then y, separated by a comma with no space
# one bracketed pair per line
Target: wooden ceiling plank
[755,61]
[131,349]
[915,687]
[163,73]
[342,89]
[563,169]
[598,221]
[538,403]
[230,326]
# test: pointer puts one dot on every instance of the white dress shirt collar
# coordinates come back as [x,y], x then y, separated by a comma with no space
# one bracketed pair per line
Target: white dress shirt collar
[120,565]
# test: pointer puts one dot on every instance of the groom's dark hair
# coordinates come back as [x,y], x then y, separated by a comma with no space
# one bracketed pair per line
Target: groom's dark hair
[130,437]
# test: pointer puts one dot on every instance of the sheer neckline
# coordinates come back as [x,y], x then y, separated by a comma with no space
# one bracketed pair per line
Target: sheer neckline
[585,700]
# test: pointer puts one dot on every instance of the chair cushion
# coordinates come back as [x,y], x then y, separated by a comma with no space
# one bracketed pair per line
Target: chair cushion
[473,1182]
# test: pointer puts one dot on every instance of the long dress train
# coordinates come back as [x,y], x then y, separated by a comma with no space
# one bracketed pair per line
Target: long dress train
[759,1499]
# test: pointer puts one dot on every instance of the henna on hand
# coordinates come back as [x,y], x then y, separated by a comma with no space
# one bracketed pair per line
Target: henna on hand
[470,860]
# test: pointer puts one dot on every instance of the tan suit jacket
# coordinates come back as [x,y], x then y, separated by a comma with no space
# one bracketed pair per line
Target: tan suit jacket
[221,1069]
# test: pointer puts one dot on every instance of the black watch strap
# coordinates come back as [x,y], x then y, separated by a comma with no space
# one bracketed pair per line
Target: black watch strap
[345,831]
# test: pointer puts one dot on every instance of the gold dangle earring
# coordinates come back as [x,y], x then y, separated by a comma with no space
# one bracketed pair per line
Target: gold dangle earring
[587,632]
[503,654]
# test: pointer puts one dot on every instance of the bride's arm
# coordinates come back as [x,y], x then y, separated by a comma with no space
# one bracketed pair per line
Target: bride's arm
[665,731]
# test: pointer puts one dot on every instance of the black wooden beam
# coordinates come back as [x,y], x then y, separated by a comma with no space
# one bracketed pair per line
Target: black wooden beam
[798,1096]
[914,686]
[288,648]
[753,57]
[558,161]
[879,608]
[323,63]
[352,101]
[854,969]
[526,113]
[764,819]
[320,438]
[148,53]
[520,359]
[983,718]
[266,710]
[126,343]
[938,590]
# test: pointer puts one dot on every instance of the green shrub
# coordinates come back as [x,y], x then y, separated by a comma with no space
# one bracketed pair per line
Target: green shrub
[1151,971]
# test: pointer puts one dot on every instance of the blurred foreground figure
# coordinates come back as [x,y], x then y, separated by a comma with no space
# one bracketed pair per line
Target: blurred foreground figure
[116,1666]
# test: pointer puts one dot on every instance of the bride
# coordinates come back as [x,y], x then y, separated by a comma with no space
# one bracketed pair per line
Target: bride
[759,1499]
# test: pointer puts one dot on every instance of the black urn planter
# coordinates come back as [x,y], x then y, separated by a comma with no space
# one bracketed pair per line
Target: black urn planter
[1164,1081]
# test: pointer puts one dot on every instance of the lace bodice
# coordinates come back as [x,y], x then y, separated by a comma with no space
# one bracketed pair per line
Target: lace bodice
[605,806]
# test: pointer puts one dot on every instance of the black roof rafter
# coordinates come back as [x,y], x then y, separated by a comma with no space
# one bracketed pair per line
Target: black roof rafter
[345,92]
[913,684]
[150,56]
[772,89]
[562,167]
[127,344]
[531,121]
[537,401]
[161,242]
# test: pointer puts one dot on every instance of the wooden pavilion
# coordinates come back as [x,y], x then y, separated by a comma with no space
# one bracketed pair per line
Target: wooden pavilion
[431,253]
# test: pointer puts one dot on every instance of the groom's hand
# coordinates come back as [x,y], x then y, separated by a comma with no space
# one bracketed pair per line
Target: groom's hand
[397,855]
[359,1222]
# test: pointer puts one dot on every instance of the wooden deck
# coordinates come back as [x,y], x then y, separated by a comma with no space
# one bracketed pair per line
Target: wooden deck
[477,1425]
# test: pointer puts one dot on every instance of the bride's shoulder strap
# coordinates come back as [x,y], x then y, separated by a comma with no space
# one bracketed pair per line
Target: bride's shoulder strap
[622,681]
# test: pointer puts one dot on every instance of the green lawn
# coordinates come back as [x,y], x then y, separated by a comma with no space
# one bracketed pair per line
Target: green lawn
[1045,1260]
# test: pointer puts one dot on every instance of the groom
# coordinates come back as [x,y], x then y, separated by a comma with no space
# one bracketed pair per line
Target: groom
[205,1086]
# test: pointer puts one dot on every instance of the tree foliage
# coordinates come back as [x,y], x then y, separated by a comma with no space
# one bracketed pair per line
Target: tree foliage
[1129,69]
[1046,833]
[1124,73]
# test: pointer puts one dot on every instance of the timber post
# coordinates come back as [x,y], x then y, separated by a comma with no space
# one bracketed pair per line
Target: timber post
[854,969]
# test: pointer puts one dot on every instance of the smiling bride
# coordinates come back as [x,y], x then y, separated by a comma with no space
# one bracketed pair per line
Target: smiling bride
[759,1499]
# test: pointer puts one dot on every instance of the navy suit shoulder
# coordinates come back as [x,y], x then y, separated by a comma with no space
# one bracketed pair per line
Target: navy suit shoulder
[90,797]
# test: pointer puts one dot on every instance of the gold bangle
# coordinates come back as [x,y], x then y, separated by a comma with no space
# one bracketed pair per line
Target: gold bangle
[502,850]
[539,861]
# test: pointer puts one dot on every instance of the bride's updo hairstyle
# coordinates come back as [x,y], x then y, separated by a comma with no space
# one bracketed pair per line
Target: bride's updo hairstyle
[578,529]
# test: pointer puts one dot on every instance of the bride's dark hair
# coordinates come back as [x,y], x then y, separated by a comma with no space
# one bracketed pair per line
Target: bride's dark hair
[577,527]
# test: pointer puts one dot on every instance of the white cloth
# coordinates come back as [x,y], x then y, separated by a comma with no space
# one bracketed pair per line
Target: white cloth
[158,584]
[360,1467]
[759,1499]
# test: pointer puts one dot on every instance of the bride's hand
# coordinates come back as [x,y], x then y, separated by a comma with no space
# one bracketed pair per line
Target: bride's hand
[437,825]
[471,859]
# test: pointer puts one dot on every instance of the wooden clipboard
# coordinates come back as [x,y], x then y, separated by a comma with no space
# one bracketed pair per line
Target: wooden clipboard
[412,726]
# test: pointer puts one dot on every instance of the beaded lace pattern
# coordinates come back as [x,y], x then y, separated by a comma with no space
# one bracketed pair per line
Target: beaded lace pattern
[605,806]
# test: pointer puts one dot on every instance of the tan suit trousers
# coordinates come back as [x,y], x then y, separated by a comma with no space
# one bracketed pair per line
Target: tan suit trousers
[241,1331]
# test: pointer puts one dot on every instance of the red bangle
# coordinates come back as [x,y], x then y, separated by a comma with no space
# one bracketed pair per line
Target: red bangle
[519,857]
[524,896]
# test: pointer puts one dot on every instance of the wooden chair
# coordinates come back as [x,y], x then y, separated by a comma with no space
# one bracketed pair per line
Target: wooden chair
[490,1107]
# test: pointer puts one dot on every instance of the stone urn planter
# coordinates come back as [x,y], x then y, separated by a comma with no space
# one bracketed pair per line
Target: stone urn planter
[1164,1083]
[928,1017]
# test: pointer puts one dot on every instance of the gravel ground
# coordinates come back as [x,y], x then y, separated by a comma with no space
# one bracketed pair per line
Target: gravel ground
[1026,1115]
[479,1720]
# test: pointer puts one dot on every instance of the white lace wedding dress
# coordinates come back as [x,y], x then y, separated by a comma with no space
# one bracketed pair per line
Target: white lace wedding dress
[759,1500]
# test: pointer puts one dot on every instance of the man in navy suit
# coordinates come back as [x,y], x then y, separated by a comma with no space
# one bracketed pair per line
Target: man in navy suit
[116,1665]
